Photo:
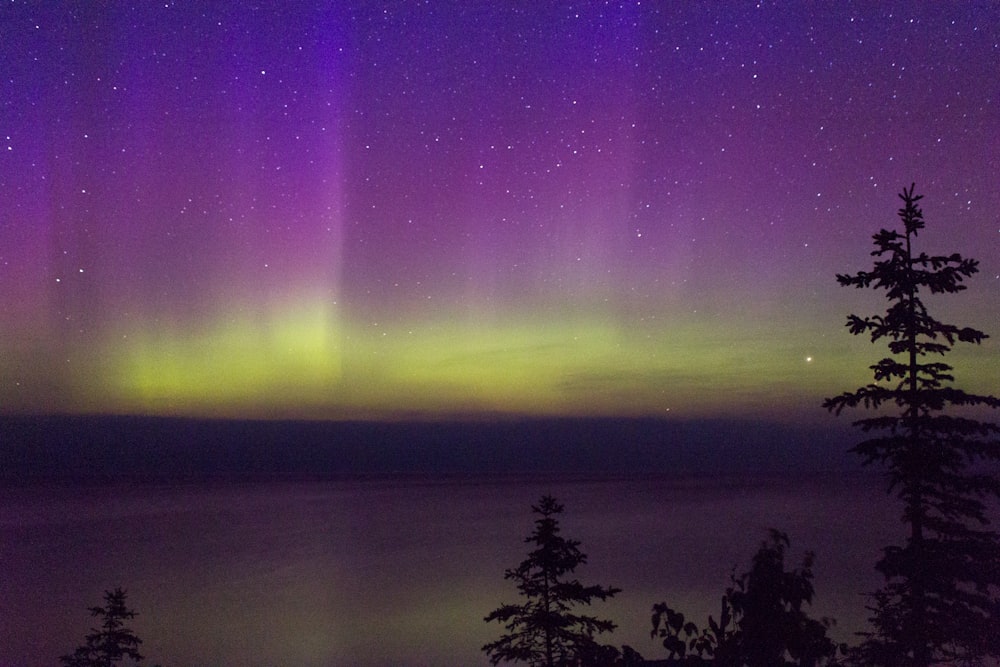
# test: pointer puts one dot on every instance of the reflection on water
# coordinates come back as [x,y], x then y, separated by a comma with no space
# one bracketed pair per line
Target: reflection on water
[399,571]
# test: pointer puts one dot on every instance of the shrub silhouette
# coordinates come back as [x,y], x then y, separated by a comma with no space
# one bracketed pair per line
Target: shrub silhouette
[762,623]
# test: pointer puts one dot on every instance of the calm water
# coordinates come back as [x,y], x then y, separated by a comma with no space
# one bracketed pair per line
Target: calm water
[399,571]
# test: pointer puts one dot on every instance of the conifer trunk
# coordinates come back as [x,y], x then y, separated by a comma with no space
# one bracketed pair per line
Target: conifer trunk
[921,657]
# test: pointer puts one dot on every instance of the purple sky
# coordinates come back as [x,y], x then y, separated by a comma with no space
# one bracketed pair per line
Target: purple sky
[335,209]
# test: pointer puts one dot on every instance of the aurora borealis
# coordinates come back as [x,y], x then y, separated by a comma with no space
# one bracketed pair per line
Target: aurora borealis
[368,210]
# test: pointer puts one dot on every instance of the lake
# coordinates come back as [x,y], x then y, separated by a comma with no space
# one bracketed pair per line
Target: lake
[401,570]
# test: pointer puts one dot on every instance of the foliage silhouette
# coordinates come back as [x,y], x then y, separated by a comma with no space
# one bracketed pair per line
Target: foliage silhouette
[543,630]
[112,641]
[762,622]
[939,603]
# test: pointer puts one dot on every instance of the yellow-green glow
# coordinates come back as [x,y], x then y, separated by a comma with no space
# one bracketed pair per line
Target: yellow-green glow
[243,360]
[306,363]
[303,359]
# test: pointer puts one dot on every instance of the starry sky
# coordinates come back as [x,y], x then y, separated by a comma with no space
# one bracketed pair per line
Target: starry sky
[377,210]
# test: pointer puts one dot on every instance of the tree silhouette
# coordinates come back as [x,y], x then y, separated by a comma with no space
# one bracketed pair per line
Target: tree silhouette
[543,630]
[762,622]
[112,641]
[939,603]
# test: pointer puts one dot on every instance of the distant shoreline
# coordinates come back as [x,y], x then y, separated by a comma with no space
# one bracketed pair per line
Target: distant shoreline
[132,448]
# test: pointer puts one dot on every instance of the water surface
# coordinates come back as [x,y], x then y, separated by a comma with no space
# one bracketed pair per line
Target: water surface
[400,570]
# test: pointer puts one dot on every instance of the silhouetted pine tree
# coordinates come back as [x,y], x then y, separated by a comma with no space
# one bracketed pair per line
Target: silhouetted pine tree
[113,641]
[940,601]
[543,630]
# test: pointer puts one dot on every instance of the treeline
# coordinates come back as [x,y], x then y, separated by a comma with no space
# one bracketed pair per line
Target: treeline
[763,620]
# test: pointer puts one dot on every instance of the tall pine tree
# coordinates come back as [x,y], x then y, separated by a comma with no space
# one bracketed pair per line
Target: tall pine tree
[543,631]
[939,604]
[113,641]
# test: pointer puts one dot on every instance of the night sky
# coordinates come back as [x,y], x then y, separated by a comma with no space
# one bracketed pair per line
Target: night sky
[431,209]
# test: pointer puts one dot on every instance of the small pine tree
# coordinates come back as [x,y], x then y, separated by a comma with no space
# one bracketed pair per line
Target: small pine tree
[112,641]
[543,631]
[939,603]
[763,622]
